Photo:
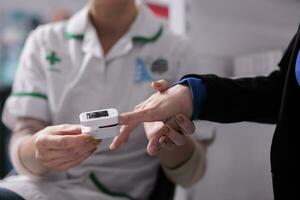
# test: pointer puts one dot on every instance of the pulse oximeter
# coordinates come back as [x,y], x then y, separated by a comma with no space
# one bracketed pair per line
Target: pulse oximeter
[100,124]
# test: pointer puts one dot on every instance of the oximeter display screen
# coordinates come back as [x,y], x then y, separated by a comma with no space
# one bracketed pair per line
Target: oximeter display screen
[94,115]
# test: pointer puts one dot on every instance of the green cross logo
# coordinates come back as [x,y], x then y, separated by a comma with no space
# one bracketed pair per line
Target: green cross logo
[52,58]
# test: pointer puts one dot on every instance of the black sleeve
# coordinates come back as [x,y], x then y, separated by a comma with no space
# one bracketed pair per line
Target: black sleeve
[254,99]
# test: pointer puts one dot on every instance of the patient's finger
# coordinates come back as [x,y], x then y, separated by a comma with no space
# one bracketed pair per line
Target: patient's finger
[172,123]
[134,117]
[176,137]
[123,136]
[153,147]
[166,143]
[185,124]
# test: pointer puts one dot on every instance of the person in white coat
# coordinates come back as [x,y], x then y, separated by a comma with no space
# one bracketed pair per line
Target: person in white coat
[104,56]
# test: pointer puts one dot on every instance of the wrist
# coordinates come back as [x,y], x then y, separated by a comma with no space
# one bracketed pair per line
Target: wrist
[198,93]
[187,103]
[176,157]
[192,170]
[27,156]
[188,148]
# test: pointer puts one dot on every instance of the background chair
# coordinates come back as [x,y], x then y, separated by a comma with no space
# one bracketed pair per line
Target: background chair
[4,135]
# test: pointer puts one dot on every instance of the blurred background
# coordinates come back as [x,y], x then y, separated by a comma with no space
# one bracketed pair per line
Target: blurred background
[233,38]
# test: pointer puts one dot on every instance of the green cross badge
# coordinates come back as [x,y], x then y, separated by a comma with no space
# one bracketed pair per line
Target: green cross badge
[52,58]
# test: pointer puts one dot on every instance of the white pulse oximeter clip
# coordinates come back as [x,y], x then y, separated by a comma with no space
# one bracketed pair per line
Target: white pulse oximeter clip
[100,123]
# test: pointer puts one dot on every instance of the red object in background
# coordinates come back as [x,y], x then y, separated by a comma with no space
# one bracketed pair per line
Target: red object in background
[161,11]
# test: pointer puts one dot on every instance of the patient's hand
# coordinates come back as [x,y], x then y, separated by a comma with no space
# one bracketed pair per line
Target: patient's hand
[161,106]
[168,135]
[62,147]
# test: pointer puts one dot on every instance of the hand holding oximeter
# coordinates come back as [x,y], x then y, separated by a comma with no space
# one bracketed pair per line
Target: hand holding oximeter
[100,123]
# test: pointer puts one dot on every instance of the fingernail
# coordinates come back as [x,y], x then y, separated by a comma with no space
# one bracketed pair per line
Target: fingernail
[112,147]
[158,84]
[97,141]
[179,119]
[165,129]
[153,151]
[163,141]
[89,140]
[94,150]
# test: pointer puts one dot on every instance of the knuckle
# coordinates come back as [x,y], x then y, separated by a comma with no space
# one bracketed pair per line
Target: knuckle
[188,128]
[173,135]
[183,126]
[137,107]
[40,157]
[61,142]
[48,129]
[143,106]
[40,142]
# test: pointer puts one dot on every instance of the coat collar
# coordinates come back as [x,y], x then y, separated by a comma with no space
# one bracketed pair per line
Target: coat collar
[145,29]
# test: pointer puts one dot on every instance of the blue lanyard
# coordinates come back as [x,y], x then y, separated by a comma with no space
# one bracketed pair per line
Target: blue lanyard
[298,68]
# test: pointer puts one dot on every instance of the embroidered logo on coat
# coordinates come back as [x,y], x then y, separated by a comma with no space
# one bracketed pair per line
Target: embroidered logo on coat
[53,59]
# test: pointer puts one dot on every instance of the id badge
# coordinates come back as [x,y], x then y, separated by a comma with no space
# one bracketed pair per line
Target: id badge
[151,69]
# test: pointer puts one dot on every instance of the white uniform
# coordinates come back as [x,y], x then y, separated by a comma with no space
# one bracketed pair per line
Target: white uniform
[64,72]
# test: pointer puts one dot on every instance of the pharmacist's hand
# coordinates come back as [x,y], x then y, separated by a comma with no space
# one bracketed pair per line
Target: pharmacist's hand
[62,147]
[168,135]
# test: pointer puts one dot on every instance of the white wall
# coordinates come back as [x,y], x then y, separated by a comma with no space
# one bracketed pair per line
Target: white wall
[238,165]
[41,6]
[235,27]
